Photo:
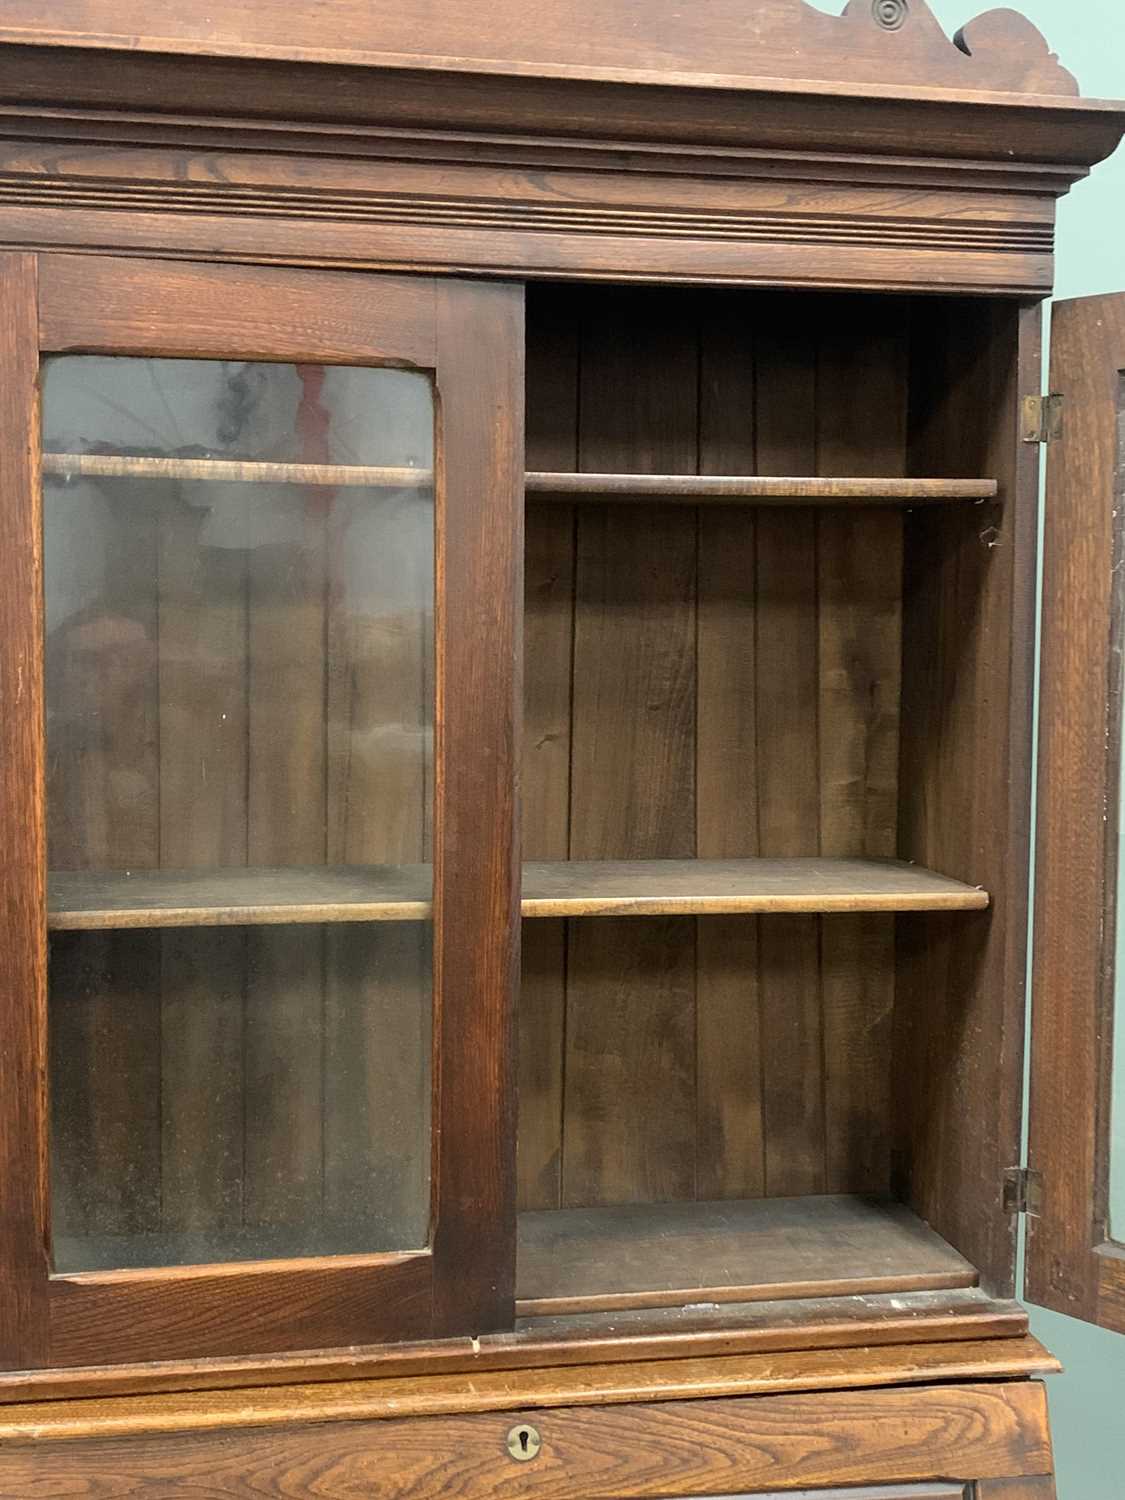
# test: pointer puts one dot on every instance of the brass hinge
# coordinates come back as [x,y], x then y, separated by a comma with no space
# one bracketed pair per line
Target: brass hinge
[1023,1192]
[1042,419]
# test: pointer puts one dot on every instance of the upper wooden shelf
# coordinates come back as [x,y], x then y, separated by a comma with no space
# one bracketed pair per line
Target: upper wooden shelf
[84,900]
[236,471]
[238,896]
[684,489]
[691,489]
[712,887]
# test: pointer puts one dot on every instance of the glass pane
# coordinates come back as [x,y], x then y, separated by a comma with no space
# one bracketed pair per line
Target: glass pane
[239,567]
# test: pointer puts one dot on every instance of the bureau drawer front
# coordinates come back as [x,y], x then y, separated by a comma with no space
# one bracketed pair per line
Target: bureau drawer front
[720,1447]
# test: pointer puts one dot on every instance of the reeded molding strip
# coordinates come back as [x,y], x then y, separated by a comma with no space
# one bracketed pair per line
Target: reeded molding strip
[524,216]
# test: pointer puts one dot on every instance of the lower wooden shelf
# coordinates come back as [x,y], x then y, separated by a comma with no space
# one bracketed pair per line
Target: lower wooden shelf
[84,900]
[584,1260]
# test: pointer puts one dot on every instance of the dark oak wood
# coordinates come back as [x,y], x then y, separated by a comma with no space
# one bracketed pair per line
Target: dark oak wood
[1027,1487]
[247,896]
[788,786]
[671,1254]
[692,489]
[964,785]
[629,1095]
[832,389]
[197,311]
[727,1445]
[729,1086]
[533,1388]
[721,194]
[238,895]
[701,887]
[777,703]
[1073,1265]
[875,1321]
[255,1307]
[862,395]
[551,440]
[476,849]
[786,39]
[883,1492]
[296,1156]
[23,977]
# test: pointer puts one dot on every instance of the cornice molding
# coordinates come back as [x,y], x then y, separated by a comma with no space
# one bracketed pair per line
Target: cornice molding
[514,206]
[813,185]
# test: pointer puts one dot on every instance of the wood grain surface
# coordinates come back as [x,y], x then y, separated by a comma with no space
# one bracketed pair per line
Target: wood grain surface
[480,342]
[534,1387]
[755,619]
[717,1446]
[551,440]
[964,1315]
[965,780]
[862,392]
[300,1083]
[600,1259]
[629,1079]
[1073,1266]
[23,976]
[693,489]
[202,311]
[777,39]
[1027,1487]
[246,896]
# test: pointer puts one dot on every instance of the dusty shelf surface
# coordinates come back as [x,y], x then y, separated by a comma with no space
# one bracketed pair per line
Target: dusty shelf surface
[585,1260]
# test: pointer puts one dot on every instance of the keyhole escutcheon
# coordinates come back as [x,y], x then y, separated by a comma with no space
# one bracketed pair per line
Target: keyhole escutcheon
[524,1443]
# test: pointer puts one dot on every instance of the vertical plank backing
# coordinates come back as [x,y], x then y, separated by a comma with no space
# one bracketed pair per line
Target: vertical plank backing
[788,768]
[23,1125]
[630,1065]
[551,443]
[964,800]
[861,430]
[286,826]
[795,669]
[731,1160]
[203,735]
[103,813]
[378,977]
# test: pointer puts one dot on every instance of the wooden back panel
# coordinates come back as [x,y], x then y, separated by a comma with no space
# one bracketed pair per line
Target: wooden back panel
[718,683]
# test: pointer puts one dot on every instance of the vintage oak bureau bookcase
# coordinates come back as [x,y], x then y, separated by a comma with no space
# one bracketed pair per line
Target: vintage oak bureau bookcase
[519,534]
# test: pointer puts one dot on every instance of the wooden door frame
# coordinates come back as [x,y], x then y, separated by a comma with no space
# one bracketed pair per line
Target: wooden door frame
[1072,1265]
[470,337]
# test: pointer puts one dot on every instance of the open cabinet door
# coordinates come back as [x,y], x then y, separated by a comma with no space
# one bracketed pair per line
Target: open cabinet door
[1076,1241]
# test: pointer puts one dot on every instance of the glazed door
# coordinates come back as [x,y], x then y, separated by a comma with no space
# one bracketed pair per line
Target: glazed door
[1076,1238]
[260,537]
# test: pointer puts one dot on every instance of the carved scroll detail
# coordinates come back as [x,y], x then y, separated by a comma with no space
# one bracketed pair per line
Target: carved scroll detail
[1001,51]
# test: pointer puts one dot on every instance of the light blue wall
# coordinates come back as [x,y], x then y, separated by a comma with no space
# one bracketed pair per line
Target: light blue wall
[1088,1401]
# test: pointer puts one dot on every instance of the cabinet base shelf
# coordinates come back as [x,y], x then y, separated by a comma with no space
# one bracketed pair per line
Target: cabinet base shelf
[585,1260]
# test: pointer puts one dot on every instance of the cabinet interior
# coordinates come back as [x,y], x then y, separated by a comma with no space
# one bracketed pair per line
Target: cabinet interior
[767,1040]
[765,1095]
